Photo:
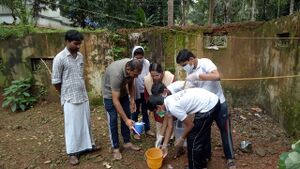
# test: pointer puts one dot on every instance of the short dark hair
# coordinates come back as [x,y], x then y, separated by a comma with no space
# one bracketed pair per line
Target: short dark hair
[138,51]
[135,64]
[157,88]
[73,35]
[156,67]
[153,101]
[184,55]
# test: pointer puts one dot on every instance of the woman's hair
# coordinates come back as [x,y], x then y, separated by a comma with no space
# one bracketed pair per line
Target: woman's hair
[138,51]
[158,88]
[156,67]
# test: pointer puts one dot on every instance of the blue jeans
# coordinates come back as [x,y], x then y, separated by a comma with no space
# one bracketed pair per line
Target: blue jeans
[112,118]
[141,105]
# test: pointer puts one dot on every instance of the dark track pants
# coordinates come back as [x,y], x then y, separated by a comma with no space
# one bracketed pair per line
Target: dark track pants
[141,105]
[222,119]
[198,138]
[112,119]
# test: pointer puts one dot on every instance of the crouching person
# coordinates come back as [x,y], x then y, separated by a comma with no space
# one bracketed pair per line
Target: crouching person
[196,108]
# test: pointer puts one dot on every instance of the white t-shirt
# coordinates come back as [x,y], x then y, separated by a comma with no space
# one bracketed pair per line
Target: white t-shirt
[179,85]
[205,65]
[190,101]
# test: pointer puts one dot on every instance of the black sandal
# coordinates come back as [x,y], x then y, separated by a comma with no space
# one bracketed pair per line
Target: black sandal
[231,164]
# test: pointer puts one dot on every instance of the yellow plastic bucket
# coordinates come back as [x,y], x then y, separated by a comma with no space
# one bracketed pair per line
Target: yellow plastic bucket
[154,158]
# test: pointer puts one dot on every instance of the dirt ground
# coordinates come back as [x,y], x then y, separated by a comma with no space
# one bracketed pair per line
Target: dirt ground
[35,139]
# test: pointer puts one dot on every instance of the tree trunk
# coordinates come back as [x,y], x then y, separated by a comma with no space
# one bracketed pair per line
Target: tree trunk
[278,8]
[162,13]
[226,10]
[183,20]
[14,17]
[292,3]
[253,9]
[264,10]
[212,5]
[170,12]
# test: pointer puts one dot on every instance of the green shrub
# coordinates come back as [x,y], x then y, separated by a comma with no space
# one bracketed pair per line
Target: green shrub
[18,96]
[15,31]
[19,31]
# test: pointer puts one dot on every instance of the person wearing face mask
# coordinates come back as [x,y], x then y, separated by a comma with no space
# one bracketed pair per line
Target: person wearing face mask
[167,126]
[157,74]
[196,108]
[138,53]
[203,73]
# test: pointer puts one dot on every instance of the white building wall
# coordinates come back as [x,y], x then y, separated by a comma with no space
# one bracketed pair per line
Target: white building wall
[5,15]
[47,18]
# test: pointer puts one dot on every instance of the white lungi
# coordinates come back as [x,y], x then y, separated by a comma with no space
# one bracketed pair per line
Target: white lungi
[78,135]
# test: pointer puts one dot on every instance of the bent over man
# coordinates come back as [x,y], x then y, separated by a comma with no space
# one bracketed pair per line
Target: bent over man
[196,107]
[118,80]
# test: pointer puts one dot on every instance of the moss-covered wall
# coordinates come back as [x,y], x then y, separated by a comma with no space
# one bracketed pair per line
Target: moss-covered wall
[281,96]
[252,51]
[17,55]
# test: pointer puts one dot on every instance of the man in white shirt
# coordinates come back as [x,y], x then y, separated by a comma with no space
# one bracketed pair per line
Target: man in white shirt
[204,74]
[196,108]
[68,79]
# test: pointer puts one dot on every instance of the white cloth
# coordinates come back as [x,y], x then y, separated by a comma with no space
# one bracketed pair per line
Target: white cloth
[179,85]
[78,136]
[139,81]
[190,101]
[204,66]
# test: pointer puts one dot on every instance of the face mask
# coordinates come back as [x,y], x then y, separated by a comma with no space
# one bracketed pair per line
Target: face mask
[160,113]
[188,68]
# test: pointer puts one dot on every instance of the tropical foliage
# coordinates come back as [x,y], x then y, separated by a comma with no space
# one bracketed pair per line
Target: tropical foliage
[143,13]
[18,95]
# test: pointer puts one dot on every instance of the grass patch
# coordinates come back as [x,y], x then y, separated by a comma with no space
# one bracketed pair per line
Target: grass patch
[18,31]
[96,101]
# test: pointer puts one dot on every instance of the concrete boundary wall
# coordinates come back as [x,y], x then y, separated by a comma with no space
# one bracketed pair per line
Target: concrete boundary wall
[254,49]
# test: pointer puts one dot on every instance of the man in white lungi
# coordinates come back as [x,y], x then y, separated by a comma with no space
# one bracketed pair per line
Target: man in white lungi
[67,77]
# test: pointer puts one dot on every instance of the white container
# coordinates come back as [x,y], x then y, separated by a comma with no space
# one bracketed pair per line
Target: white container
[178,130]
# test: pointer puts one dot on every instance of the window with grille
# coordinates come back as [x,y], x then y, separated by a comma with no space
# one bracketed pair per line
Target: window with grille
[215,42]
[283,40]
[41,63]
